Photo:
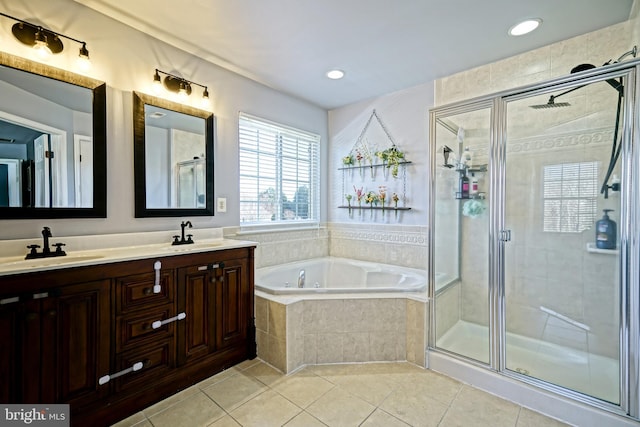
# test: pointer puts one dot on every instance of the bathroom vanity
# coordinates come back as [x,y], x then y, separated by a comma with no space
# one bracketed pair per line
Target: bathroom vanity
[111,334]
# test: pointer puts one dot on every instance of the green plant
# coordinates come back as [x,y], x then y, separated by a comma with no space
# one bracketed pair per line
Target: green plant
[391,157]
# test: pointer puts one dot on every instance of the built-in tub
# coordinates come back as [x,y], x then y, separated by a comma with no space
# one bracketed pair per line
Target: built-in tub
[339,275]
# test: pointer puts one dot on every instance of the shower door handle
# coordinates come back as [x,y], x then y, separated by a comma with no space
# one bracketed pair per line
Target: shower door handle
[505,235]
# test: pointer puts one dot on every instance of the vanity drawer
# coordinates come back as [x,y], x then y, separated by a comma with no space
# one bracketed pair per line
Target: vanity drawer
[136,328]
[157,359]
[137,291]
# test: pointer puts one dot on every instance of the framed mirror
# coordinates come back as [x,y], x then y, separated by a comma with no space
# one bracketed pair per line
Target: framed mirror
[53,150]
[173,158]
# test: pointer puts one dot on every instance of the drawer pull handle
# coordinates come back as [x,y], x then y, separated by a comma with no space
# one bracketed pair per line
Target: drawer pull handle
[147,291]
[41,295]
[157,288]
[136,367]
[158,323]
[9,300]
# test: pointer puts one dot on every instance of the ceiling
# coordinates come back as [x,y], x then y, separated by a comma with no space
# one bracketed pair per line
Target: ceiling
[383,46]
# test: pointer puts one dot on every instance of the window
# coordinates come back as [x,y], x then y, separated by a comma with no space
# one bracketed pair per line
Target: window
[570,191]
[279,178]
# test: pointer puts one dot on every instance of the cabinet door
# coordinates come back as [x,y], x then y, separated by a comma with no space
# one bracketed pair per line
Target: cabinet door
[83,341]
[196,298]
[9,356]
[232,302]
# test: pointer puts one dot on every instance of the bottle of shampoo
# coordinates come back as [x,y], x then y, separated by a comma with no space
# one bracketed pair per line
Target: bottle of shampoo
[606,232]
[473,189]
[463,186]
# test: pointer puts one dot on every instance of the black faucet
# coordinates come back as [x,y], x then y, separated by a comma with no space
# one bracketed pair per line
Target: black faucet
[46,250]
[46,233]
[181,240]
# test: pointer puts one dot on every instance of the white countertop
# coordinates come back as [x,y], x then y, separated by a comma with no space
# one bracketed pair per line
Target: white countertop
[76,258]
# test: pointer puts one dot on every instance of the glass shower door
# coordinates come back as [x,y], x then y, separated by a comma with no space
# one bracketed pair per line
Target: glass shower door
[561,275]
[460,232]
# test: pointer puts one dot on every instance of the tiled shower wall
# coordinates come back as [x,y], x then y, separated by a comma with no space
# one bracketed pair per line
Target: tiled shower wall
[575,283]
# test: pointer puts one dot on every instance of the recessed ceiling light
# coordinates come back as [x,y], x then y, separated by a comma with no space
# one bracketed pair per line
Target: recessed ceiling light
[525,27]
[335,74]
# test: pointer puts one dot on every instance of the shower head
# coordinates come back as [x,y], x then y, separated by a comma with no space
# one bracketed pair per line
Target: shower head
[550,104]
[616,84]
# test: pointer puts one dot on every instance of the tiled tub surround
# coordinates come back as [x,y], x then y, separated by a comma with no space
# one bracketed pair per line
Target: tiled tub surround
[400,245]
[282,246]
[292,332]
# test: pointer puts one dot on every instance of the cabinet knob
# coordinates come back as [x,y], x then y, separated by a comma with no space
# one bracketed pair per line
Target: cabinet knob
[147,291]
[52,313]
[31,316]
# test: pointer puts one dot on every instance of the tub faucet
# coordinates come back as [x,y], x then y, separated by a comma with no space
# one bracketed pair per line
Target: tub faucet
[301,277]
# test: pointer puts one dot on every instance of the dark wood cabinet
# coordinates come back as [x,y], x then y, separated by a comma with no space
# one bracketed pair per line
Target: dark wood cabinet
[82,347]
[217,297]
[112,339]
[232,312]
[10,334]
[59,344]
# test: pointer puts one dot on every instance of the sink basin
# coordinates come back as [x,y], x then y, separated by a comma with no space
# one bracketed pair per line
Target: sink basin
[192,247]
[23,264]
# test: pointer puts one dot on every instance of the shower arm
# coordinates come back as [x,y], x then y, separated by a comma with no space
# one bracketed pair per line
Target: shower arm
[552,98]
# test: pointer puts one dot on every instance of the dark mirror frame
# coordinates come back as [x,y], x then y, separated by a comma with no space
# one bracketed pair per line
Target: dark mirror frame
[141,210]
[99,209]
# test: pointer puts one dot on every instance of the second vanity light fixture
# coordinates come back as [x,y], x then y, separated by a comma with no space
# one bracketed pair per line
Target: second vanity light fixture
[46,42]
[178,85]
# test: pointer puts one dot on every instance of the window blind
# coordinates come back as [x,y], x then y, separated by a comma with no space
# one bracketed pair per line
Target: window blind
[570,193]
[279,173]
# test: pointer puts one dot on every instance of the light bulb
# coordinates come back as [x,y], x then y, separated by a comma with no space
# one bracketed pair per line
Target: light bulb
[182,92]
[41,46]
[157,83]
[205,102]
[83,61]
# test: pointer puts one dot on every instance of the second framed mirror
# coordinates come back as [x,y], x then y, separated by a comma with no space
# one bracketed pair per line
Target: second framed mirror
[173,158]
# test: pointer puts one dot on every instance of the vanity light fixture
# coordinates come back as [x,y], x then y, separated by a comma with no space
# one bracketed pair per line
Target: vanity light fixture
[178,85]
[46,42]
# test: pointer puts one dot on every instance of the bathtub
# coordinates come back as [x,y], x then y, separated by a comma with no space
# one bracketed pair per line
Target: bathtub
[339,275]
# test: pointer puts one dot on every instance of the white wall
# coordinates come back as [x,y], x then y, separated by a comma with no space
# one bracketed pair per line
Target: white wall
[405,116]
[126,59]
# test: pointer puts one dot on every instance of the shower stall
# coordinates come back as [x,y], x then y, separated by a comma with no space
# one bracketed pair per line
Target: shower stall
[524,280]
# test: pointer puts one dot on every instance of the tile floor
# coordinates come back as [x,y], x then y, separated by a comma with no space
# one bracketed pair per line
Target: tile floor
[372,394]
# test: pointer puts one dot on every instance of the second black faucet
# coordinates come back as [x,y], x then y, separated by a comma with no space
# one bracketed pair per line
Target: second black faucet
[181,240]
